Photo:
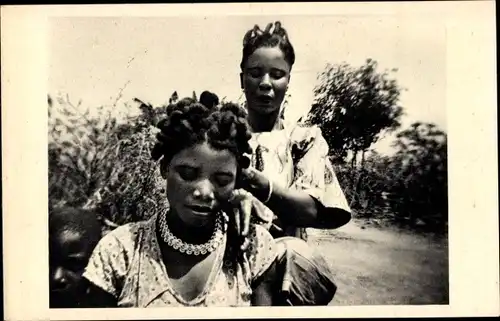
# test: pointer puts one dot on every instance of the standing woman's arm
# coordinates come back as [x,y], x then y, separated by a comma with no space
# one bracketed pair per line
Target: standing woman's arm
[315,198]
[294,207]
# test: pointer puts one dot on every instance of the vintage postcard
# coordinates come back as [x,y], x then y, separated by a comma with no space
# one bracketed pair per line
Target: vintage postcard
[355,142]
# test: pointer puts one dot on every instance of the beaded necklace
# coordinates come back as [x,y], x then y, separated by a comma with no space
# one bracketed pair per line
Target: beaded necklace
[193,249]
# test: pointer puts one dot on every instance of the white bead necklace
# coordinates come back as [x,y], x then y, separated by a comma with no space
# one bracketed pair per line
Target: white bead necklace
[193,249]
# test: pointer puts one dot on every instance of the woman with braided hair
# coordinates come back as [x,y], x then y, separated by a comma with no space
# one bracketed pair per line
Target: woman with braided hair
[189,254]
[290,172]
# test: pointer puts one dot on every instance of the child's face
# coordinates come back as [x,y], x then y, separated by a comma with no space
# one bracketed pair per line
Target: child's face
[198,179]
[265,80]
[69,254]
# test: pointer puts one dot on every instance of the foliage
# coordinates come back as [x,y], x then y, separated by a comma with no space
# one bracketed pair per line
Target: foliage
[98,162]
[354,106]
[422,184]
[408,188]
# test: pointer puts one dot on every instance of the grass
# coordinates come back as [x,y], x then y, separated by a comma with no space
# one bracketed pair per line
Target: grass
[379,266]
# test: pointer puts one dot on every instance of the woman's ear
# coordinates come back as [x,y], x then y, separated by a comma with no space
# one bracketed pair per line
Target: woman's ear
[241,81]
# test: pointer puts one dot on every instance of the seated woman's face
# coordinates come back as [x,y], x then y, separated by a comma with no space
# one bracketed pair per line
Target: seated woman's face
[199,178]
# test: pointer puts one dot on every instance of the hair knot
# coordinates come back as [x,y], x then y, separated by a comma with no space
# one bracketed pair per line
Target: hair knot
[274,35]
[189,122]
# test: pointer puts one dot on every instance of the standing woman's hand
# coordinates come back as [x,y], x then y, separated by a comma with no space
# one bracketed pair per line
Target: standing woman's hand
[256,183]
[293,207]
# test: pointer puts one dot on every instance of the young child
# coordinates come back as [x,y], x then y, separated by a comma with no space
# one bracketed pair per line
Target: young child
[73,234]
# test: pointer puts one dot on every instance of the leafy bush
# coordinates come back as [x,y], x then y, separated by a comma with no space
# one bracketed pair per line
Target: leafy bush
[103,163]
[408,188]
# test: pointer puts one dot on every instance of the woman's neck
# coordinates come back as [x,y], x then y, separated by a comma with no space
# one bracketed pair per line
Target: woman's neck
[263,123]
[188,233]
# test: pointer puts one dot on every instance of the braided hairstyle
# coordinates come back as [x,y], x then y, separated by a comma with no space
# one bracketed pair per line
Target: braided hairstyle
[224,127]
[255,38]
[189,122]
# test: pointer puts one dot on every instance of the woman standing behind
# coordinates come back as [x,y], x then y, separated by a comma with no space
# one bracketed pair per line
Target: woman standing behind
[290,170]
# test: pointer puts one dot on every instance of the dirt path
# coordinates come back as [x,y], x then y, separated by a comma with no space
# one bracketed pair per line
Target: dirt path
[384,266]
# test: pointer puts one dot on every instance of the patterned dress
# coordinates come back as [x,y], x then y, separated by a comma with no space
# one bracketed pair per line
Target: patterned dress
[127,263]
[296,157]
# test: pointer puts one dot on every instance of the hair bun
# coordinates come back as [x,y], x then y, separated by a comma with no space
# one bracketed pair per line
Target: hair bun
[268,27]
[251,34]
[209,99]
[189,122]
[277,29]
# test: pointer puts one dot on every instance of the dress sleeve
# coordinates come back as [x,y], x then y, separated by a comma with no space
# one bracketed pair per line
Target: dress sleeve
[107,266]
[313,170]
[262,251]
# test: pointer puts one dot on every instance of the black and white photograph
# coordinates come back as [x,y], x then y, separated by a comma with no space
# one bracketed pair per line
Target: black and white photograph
[240,160]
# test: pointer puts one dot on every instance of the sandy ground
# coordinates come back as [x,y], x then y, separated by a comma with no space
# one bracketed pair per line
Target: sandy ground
[378,266]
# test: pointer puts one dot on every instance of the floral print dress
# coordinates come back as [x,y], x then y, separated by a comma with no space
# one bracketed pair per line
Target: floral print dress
[127,263]
[296,157]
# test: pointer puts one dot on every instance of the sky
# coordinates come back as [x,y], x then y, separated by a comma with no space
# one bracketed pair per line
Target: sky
[94,59]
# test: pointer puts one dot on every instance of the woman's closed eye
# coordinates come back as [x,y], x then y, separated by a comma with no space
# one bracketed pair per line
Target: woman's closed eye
[259,72]
[187,173]
[224,179]
[255,72]
[277,73]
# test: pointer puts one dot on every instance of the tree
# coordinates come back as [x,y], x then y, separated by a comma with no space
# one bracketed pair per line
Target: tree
[353,107]
[420,179]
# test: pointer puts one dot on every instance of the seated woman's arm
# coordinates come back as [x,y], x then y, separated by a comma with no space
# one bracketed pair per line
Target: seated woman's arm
[97,297]
[264,288]
[261,255]
[106,270]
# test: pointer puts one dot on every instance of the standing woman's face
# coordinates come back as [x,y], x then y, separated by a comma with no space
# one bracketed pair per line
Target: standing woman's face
[199,178]
[265,80]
